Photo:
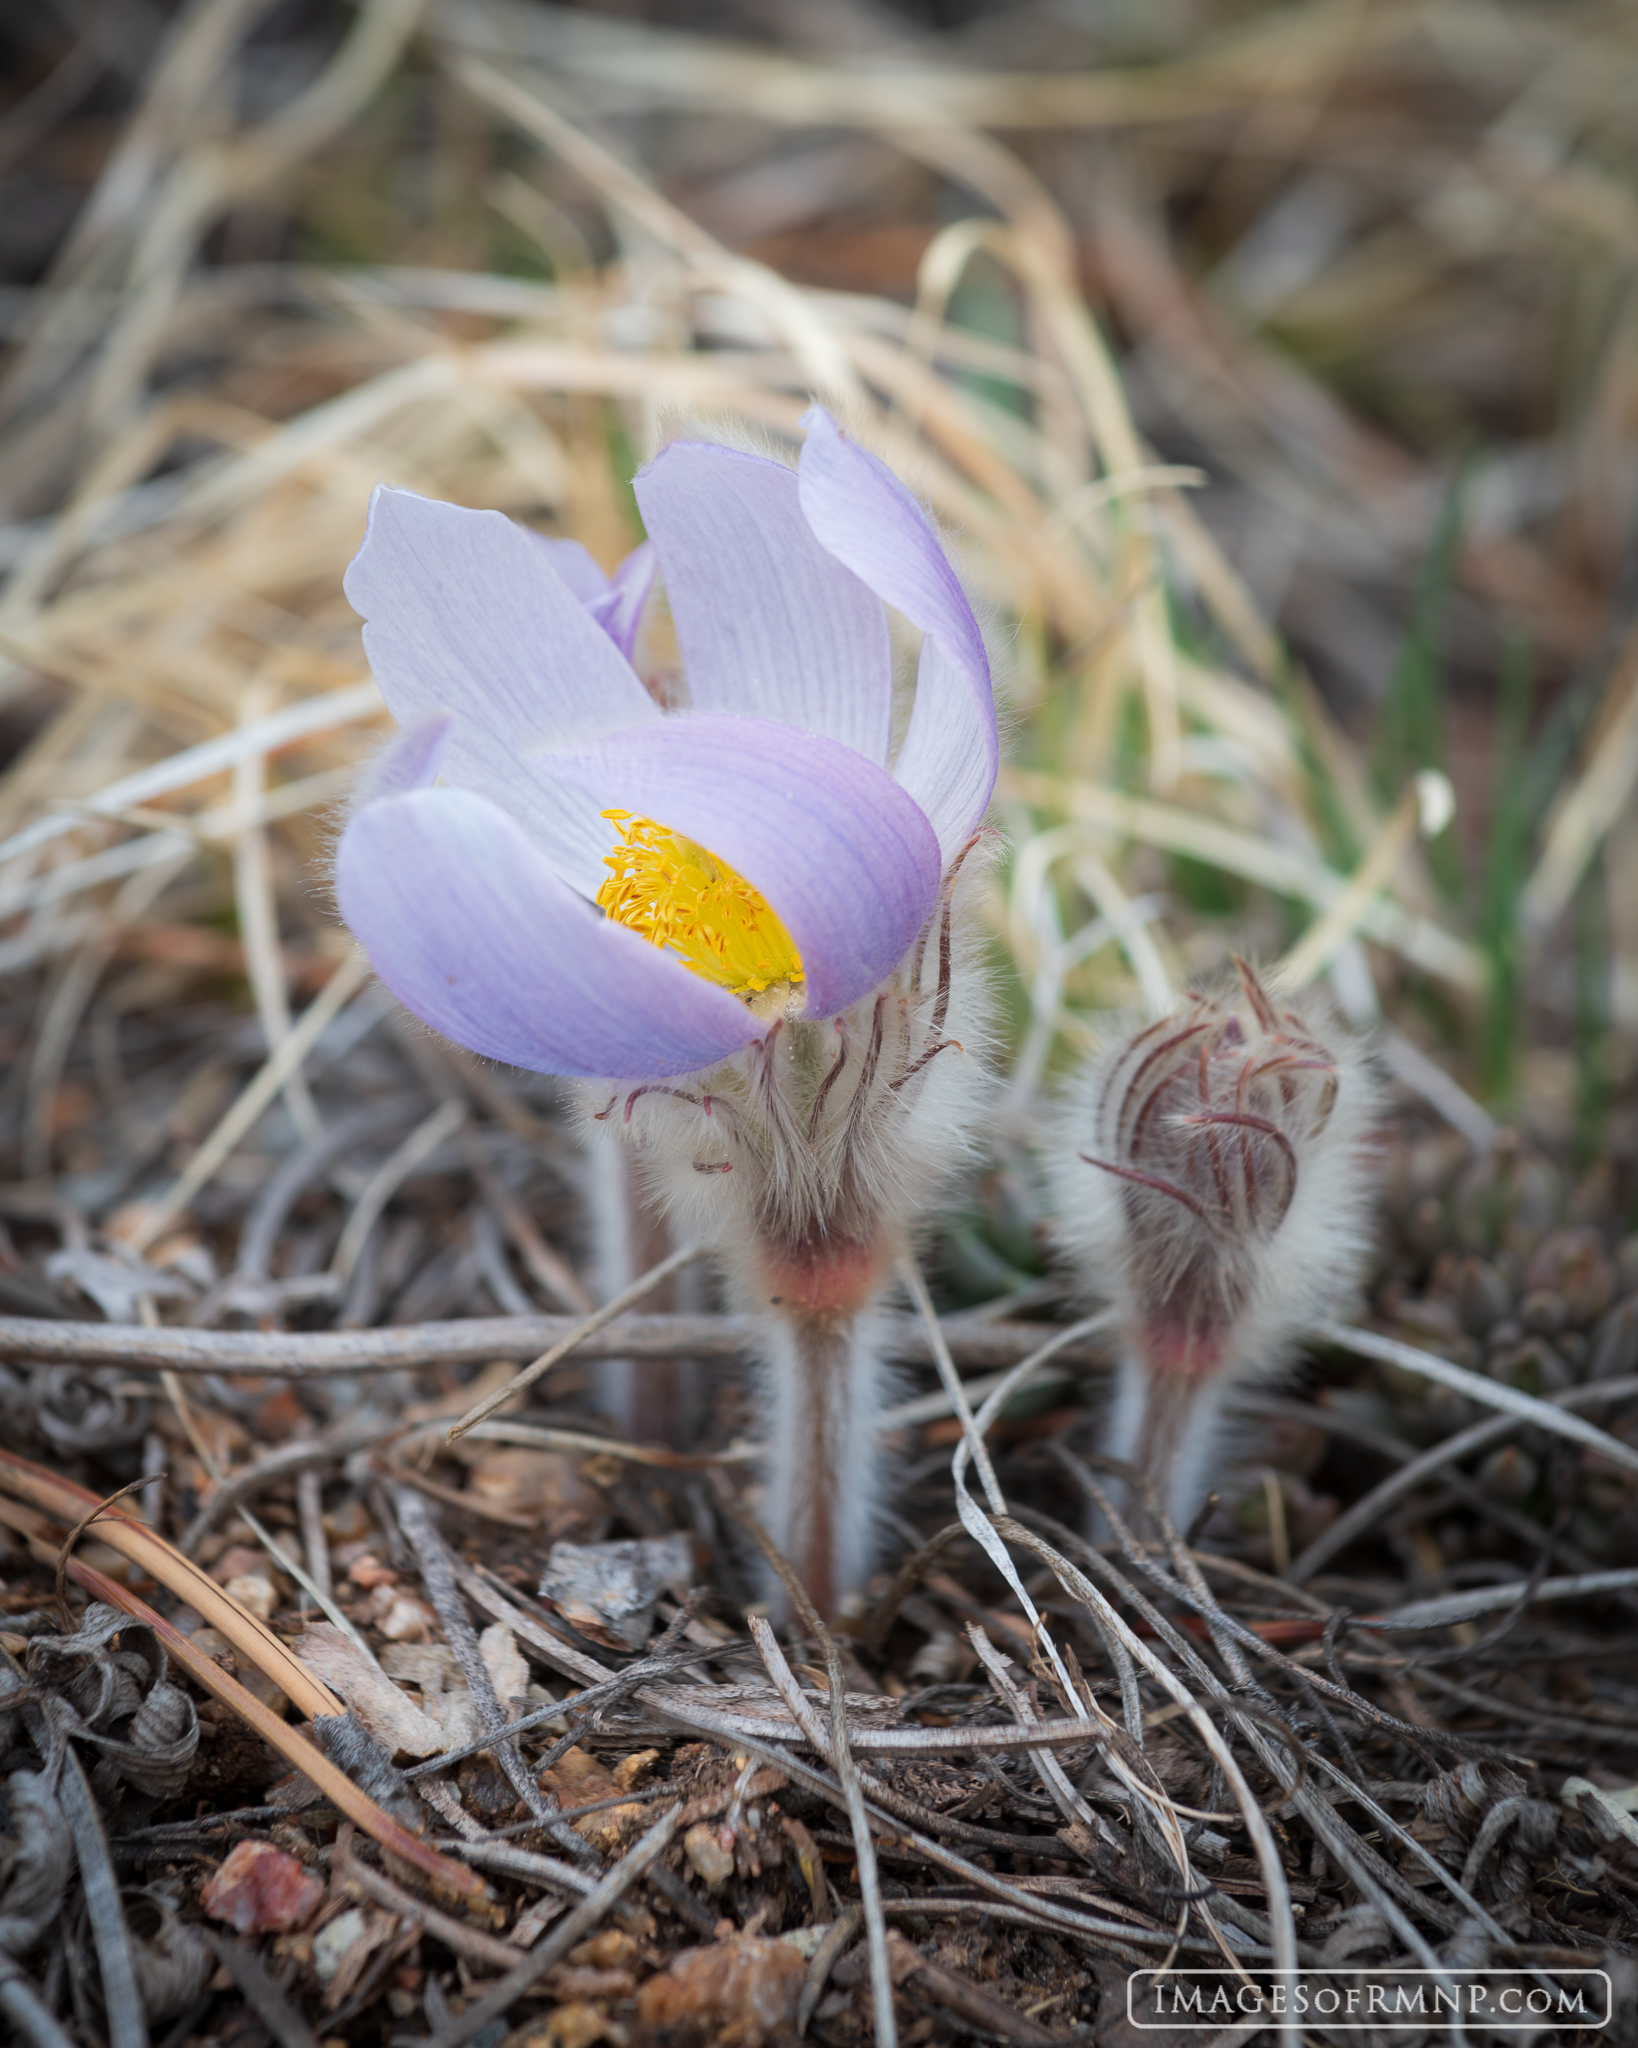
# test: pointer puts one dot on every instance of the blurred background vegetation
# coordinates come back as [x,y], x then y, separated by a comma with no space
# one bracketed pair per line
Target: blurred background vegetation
[1272,366]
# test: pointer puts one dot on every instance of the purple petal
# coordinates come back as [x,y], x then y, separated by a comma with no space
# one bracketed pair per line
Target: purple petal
[843,855]
[619,608]
[574,563]
[950,753]
[471,929]
[865,516]
[771,624]
[412,760]
[468,614]
[616,602]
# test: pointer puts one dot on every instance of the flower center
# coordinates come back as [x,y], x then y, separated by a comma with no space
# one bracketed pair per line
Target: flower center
[676,895]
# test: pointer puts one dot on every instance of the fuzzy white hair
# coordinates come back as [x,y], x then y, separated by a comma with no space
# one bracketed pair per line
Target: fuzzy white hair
[1213,1182]
[828,1141]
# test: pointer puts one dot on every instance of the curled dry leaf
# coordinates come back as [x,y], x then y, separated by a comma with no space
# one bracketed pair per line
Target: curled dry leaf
[41,1861]
[388,1712]
[171,1961]
[120,1701]
[117,1283]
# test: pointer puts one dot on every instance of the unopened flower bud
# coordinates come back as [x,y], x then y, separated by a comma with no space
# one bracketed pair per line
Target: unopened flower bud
[1214,1184]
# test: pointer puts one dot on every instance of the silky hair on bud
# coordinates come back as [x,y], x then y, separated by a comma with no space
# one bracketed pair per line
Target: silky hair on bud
[1213,1182]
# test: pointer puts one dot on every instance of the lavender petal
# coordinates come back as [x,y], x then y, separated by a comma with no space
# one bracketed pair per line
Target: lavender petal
[616,602]
[619,608]
[771,624]
[472,930]
[468,613]
[413,759]
[843,855]
[574,563]
[862,513]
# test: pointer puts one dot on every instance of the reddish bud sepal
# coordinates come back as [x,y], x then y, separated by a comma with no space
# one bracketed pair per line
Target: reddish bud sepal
[1214,1185]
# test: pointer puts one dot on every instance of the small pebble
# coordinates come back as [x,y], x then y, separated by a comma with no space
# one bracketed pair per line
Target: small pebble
[712,1863]
[261,1890]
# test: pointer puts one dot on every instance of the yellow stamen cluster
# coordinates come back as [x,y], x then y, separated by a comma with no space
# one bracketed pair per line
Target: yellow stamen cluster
[676,895]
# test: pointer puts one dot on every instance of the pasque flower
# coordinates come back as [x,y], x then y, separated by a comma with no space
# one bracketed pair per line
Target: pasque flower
[739,904]
[1214,1184]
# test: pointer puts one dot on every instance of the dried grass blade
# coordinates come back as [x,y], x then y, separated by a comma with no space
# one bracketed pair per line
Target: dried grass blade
[793,314]
[1231,1641]
[1455,1607]
[1047,1767]
[1586,810]
[972,1447]
[990,1534]
[1488,1393]
[545,1438]
[1458,1887]
[122,2001]
[195,764]
[1081,1588]
[1418,939]
[832,1745]
[1036,1911]
[257,903]
[22,2004]
[645,1284]
[444,1122]
[1313,952]
[1355,1520]
[325,1007]
[66,1503]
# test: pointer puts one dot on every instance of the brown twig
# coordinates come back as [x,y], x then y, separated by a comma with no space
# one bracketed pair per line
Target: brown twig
[465,1941]
[588,1326]
[474,1340]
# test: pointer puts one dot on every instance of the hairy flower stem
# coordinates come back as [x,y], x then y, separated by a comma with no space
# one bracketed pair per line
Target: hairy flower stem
[647,1400]
[825,1385]
[804,1164]
[1166,1424]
